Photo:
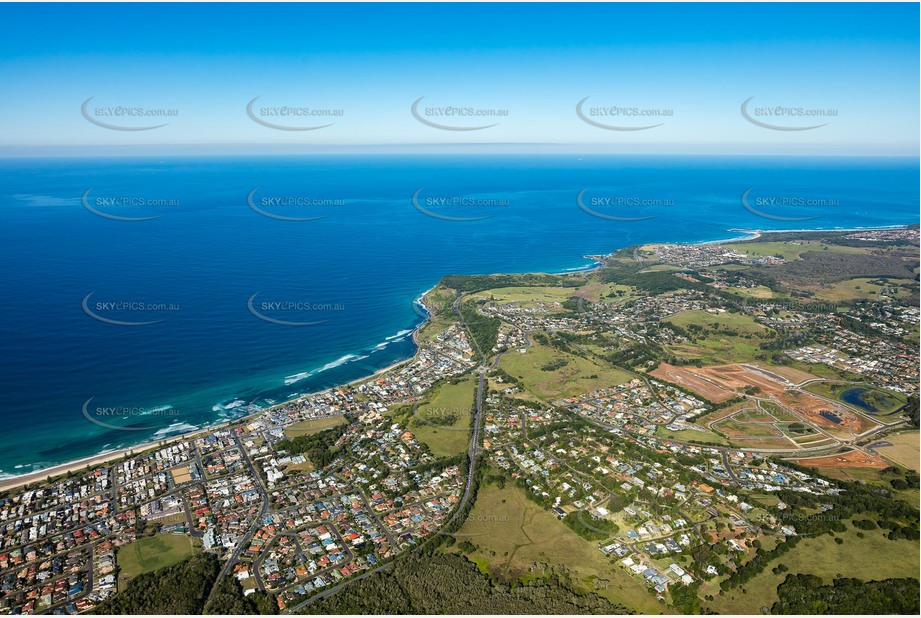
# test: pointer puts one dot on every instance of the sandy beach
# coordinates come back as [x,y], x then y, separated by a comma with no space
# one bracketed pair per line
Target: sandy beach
[82,464]
[755,234]
[97,460]
[93,461]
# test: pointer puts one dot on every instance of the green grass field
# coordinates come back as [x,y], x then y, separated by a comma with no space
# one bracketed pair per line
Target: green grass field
[792,250]
[515,536]
[306,428]
[876,477]
[753,415]
[661,268]
[758,291]
[691,435]
[443,424]
[734,428]
[904,450]
[593,292]
[778,412]
[441,313]
[884,401]
[862,288]
[527,296]
[152,553]
[719,350]
[715,345]
[872,557]
[579,375]
[743,324]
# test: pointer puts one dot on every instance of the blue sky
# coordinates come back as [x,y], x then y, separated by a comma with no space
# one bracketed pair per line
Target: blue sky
[697,63]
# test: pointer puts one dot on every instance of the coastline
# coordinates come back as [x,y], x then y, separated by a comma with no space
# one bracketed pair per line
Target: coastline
[93,461]
[756,233]
[15,481]
[751,235]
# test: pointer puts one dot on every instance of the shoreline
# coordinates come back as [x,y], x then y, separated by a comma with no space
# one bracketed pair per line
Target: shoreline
[93,461]
[17,480]
[757,233]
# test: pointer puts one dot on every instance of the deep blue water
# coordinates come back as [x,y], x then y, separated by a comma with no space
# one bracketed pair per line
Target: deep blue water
[854,397]
[365,262]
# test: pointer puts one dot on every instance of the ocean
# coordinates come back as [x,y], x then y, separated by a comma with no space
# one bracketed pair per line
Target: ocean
[145,297]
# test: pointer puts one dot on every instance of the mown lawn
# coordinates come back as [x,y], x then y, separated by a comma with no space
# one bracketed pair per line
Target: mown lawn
[152,553]
[306,428]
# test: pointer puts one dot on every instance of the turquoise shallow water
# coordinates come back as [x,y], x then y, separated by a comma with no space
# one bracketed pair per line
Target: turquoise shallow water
[220,233]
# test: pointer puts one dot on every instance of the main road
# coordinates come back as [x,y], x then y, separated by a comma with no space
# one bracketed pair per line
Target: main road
[473,452]
[243,543]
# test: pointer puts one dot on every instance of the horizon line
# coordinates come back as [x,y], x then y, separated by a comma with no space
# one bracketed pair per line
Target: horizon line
[14,151]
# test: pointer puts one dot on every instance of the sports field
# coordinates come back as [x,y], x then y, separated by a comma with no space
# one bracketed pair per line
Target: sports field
[306,428]
[152,553]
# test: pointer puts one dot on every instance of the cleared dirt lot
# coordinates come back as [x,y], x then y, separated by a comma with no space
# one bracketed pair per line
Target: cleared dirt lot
[811,408]
[852,459]
[719,382]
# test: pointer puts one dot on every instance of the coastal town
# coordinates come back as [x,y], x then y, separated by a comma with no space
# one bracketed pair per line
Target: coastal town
[675,428]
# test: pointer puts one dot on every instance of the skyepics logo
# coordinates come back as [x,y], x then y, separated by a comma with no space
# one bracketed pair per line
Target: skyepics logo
[781,115]
[620,118]
[443,418]
[134,418]
[278,311]
[455,118]
[477,520]
[106,207]
[438,207]
[272,206]
[120,117]
[290,118]
[425,309]
[770,206]
[617,207]
[774,307]
[799,524]
[114,311]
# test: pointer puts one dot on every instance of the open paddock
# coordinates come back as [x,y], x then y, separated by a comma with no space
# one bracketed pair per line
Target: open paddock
[734,428]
